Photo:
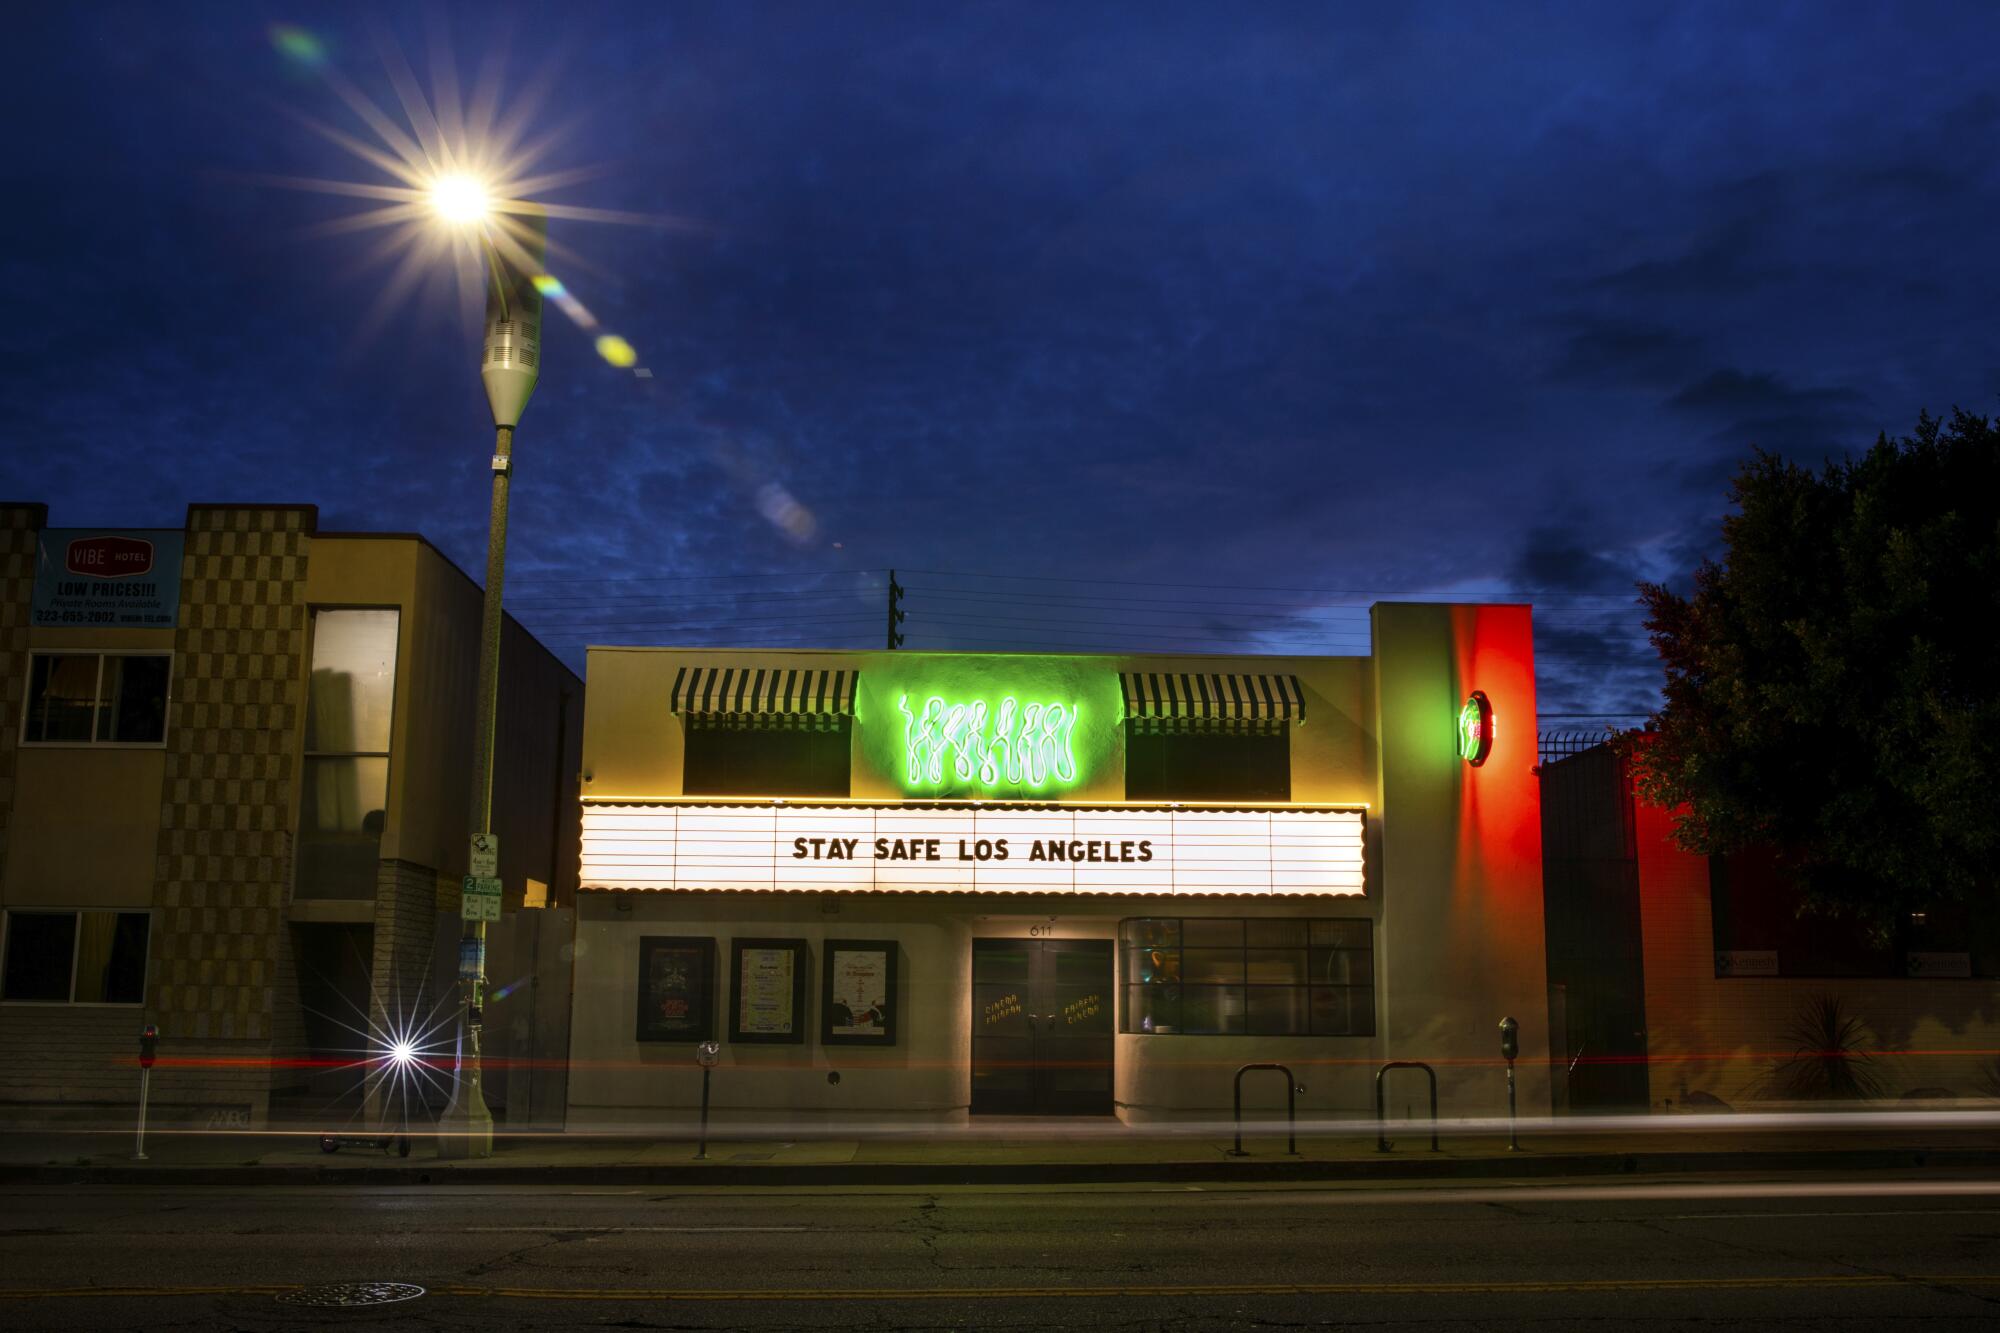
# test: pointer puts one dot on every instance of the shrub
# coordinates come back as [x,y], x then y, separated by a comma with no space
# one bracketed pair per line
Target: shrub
[1830,1059]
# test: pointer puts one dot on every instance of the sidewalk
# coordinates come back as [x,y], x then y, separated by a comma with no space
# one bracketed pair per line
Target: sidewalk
[1018,1152]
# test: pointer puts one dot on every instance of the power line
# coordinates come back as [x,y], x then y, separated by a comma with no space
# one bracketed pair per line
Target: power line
[1248,587]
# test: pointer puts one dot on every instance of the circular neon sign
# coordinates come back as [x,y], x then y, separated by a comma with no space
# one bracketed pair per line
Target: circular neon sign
[1475,728]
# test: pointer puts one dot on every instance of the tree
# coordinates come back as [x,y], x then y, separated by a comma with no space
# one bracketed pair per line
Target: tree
[1833,686]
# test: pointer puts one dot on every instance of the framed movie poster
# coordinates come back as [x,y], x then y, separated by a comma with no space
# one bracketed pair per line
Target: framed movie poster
[676,988]
[857,1005]
[767,990]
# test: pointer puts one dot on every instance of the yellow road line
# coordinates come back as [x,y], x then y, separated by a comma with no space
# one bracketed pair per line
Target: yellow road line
[1545,1286]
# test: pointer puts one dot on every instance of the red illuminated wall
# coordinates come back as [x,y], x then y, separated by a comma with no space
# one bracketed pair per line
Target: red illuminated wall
[1461,848]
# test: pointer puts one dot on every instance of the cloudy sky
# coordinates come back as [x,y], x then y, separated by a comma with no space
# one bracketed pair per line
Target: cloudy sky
[1150,327]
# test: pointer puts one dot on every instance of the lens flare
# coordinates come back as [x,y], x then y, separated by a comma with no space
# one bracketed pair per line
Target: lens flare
[616,351]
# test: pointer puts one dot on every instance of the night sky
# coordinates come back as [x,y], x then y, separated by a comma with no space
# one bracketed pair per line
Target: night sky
[1145,327]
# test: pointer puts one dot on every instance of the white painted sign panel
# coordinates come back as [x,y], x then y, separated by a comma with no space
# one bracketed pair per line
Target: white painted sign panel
[973,848]
[483,854]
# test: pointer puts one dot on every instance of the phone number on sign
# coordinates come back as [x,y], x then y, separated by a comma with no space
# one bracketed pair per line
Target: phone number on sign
[102,618]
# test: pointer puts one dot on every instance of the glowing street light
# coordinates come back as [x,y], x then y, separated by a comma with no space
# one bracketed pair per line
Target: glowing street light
[460,199]
[460,186]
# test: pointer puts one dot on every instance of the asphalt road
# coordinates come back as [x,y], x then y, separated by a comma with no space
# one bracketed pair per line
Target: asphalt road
[1880,1253]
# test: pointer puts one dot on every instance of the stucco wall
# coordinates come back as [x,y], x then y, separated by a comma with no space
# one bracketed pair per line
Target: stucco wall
[1721,1035]
[1461,852]
[632,742]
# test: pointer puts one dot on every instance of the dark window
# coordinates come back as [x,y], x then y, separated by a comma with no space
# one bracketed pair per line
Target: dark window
[1238,976]
[726,760]
[40,948]
[1208,765]
[1761,928]
[103,952]
[101,698]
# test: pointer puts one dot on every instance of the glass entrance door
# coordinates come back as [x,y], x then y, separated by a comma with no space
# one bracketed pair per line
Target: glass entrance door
[1041,1027]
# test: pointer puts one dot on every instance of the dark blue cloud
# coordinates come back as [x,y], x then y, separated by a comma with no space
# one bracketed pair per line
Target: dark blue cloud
[1385,300]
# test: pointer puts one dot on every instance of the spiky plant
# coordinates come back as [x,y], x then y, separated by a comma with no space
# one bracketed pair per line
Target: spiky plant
[1829,1060]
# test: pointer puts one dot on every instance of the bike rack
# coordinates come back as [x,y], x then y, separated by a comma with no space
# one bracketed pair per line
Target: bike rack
[1292,1089]
[1381,1115]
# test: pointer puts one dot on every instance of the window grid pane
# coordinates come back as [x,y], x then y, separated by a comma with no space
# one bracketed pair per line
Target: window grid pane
[133,710]
[41,946]
[352,700]
[1265,982]
[62,702]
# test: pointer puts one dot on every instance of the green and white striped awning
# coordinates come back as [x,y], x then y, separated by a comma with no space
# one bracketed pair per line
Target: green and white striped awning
[1184,697]
[763,692]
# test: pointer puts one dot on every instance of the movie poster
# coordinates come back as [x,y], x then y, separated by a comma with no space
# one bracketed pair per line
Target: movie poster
[767,990]
[859,1001]
[676,988]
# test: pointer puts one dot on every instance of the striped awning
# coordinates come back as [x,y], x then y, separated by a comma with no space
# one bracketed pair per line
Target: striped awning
[763,691]
[1211,697]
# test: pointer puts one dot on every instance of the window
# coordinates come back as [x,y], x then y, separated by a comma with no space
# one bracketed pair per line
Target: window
[345,788]
[1255,976]
[97,699]
[1761,929]
[725,758]
[1250,762]
[76,957]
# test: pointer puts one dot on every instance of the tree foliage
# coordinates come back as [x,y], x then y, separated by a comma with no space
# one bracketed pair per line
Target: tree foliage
[1833,685]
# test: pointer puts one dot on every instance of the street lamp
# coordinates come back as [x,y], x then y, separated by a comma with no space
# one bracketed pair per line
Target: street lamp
[509,366]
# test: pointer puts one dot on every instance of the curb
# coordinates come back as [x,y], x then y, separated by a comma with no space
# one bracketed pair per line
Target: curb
[1269,1171]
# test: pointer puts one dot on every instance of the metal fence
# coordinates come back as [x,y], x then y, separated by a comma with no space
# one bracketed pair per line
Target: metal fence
[1553,745]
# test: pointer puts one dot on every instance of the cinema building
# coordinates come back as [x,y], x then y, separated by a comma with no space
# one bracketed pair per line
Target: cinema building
[907,887]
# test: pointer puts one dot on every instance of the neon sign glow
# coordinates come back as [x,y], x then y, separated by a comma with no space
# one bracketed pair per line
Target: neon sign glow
[1475,729]
[1012,744]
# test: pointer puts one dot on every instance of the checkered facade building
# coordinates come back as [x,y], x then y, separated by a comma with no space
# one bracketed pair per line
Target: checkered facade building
[220,948]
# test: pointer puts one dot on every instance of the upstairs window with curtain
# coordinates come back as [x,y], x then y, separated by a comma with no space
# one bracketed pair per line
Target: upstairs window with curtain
[350,705]
[97,699]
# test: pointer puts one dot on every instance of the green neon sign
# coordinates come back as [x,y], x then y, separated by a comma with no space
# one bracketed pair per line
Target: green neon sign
[1475,729]
[1011,743]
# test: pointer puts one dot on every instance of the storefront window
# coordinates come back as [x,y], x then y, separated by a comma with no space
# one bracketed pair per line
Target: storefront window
[1248,976]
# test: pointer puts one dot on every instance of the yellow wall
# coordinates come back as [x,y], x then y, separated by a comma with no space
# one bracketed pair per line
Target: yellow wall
[437,663]
[632,740]
[86,818]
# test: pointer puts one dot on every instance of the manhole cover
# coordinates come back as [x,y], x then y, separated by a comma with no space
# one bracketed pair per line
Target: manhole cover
[342,1294]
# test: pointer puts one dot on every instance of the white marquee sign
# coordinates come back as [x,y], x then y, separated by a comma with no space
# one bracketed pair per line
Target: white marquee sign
[972,848]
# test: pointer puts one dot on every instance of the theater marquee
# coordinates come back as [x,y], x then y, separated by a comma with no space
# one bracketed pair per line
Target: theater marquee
[988,848]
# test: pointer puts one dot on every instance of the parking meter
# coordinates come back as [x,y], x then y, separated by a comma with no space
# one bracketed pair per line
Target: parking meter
[706,1055]
[1510,1049]
[149,1052]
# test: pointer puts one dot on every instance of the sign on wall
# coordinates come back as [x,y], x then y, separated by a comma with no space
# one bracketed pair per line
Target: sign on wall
[858,1004]
[767,990]
[973,848]
[120,579]
[976,743]
[676,988]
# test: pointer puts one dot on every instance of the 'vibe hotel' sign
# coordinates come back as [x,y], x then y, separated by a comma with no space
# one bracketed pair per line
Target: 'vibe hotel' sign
[980,849]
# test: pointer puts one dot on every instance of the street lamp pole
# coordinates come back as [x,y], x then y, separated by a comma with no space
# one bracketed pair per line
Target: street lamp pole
[510,365]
